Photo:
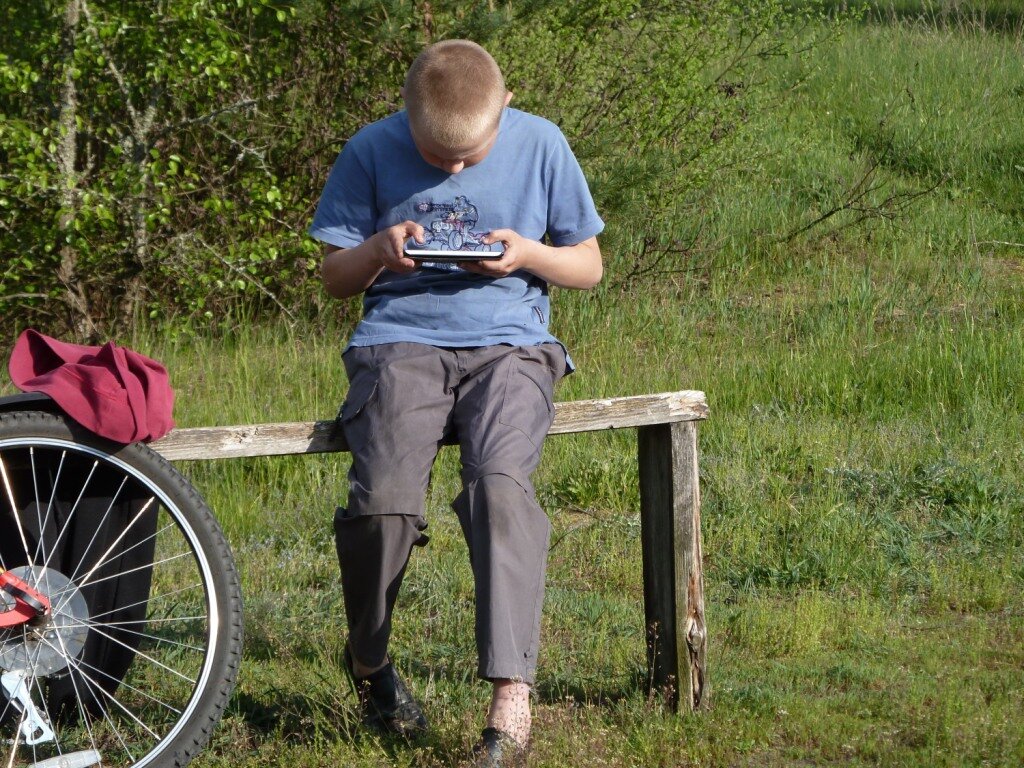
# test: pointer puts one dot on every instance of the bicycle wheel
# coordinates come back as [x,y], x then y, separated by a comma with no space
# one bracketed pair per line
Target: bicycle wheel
[135,656]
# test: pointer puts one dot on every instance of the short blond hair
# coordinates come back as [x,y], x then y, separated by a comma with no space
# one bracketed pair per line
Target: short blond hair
[454,93]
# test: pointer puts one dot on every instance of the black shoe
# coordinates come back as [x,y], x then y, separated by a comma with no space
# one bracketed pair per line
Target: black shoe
[497,749]
[385,703]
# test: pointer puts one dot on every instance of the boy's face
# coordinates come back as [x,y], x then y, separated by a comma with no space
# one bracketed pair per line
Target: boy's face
[453,160]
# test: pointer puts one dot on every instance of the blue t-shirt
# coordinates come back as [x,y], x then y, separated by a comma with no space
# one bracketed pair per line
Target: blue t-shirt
[529,182]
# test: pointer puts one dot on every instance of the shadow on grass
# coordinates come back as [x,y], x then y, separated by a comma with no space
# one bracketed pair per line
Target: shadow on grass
[561,687]
[298,720]
[294,718]
[549,688]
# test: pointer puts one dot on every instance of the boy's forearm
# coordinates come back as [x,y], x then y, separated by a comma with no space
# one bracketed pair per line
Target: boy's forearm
[569,266]
[349,271]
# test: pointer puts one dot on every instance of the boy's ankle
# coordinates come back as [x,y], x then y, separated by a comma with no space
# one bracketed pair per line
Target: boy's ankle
[509,711]
[360,670]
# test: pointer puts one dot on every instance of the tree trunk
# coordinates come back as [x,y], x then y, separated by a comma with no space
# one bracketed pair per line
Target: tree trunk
[79,320]
[428,22]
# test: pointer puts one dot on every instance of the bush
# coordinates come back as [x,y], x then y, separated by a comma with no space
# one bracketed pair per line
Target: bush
[165,166]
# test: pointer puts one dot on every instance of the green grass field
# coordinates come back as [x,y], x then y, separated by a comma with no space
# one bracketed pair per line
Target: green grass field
[863,501]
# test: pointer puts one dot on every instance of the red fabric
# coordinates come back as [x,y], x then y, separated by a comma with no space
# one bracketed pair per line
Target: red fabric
[112,391]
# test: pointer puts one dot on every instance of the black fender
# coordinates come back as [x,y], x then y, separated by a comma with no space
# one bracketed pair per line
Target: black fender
[28,401]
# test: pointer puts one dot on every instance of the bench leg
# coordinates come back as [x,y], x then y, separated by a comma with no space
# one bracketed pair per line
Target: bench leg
[673,570]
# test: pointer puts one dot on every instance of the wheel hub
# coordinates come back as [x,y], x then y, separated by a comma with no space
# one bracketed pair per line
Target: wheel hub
[49,644]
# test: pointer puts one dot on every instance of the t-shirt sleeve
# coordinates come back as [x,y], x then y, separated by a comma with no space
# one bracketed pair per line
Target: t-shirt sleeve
[572,215]
[347,213]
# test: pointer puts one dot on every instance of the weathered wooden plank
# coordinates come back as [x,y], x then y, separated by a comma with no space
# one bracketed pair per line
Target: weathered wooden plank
[672,562]
[321,437]
[622,412]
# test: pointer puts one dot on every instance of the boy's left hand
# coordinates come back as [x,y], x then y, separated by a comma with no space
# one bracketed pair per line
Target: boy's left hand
[566,266]
[516,254]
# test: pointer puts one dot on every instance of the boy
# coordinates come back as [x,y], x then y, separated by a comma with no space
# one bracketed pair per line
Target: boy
[452,349]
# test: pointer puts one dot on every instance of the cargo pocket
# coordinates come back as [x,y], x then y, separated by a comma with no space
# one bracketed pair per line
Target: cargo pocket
[354,417]
[528,403]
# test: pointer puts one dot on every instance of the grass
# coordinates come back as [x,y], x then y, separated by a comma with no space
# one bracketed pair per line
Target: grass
[863,526]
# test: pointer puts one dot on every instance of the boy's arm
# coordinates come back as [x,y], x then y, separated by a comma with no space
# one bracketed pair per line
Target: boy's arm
[350,271]
[567,266]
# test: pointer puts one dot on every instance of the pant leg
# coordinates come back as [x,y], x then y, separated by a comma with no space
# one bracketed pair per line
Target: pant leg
[373,551]
[394,420]
[502,415]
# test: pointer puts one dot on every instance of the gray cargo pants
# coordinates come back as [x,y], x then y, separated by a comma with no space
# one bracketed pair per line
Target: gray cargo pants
[404,400]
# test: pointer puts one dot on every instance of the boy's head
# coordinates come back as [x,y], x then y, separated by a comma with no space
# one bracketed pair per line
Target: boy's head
[454,94]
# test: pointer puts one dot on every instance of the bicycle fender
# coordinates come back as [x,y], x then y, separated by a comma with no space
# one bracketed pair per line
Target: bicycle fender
[28,401]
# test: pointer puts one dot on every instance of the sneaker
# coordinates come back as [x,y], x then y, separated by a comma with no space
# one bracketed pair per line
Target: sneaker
[385,702]
[497,749]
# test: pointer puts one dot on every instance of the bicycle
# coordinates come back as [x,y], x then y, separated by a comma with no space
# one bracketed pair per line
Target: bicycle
[120,605]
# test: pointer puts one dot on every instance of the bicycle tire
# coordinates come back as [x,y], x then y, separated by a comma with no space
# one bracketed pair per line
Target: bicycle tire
[142,683]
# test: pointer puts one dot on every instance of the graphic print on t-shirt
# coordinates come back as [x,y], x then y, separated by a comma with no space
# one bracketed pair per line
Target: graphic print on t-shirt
[452,230]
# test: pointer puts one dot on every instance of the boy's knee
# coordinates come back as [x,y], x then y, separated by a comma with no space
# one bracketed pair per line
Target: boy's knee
[501,505]
[497,477]
[382,498]
[371,534]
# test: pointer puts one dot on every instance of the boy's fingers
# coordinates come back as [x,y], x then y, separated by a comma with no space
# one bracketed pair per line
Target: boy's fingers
[499,267]
[412,229]
[395,257]
[498,235]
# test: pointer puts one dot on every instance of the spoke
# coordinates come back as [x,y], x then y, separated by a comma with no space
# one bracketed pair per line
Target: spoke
[42,700]
[49,508]
[10,702]
[146,656]
[78,696]
[14,508]
[49,717]
[35,493]
[94,625]
[27,681]
[149,600]
[71,514]
[99,527]
[129,686]
[112,547]
[100,564]
[106,714]
[133,570]
[200,617]
[17,736]
[62,596]
[94,684]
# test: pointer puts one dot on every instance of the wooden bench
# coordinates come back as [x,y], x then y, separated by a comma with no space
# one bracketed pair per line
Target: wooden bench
[673,574]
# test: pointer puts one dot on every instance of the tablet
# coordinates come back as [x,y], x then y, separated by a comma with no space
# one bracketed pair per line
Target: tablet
[432,254]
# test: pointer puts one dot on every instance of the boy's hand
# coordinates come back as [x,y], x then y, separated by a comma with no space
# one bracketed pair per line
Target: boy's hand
[567,266]
[516,254]
[391,244]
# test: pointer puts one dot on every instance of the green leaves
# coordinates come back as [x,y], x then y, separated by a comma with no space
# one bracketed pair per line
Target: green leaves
[204,130]
[159,105]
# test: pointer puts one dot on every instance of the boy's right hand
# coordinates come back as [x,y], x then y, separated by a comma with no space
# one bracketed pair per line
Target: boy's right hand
[391,244]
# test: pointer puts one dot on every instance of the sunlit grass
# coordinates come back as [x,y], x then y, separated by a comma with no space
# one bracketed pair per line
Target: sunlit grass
[862,523]
[863,507]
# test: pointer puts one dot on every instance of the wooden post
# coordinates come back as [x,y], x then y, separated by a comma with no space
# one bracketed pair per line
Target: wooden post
[672,565]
